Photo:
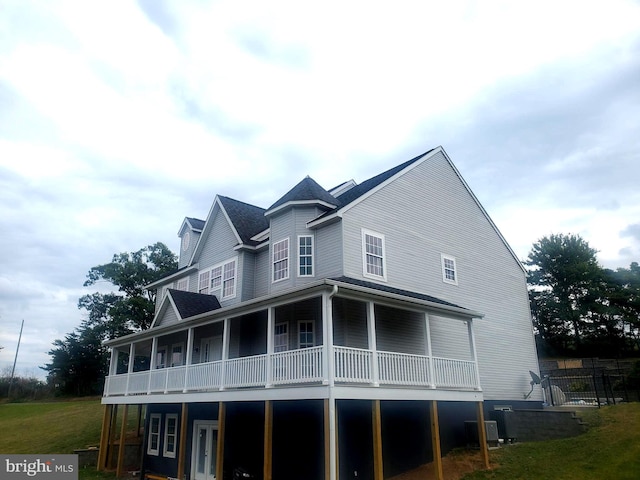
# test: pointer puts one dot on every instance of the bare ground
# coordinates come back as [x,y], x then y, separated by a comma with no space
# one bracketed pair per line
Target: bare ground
[454,466]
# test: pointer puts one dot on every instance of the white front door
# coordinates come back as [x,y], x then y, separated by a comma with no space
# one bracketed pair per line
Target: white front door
[205,441]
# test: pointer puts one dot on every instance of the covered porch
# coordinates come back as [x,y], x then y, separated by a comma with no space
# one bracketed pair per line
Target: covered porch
[344,336]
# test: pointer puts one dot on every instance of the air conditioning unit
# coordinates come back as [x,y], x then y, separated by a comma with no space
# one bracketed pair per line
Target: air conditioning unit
[490,428]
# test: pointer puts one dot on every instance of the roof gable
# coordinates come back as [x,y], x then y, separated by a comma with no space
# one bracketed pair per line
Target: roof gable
[244,219]
[190,304]
[178,305]
[248,220]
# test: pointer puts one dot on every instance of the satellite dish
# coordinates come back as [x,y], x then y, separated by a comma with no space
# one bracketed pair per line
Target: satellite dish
[535,379]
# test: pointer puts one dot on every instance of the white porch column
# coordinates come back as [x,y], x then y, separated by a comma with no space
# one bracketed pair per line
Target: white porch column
[132,357]
[271,313]
[373,344]
[429,350]
[474,353]
[113,366]
[225,351]
[154,361]
[327,336]
[189,358]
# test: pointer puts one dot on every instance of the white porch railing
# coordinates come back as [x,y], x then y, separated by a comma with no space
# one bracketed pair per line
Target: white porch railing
[297,366]
[303,366]
[403,369]
[455,373]
[353,365]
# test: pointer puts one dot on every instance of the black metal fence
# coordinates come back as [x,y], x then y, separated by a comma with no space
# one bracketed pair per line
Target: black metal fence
[589,382]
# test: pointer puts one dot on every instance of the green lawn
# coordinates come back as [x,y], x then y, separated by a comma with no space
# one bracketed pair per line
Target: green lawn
[52,427]
[609,450]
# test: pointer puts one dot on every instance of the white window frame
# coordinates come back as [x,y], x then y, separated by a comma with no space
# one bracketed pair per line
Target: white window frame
[449,269]
[220,279]
[305,255]
[285,345]
[203,282]
[165,450]
[284,260]
[152,434]
[161,354]
[182,355]
[183,284]
[313,334]
[365,254]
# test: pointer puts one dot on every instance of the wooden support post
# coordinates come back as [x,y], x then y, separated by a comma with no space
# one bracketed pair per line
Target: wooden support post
[268,446]
[220,442]
[330,439]
[122,442]
[378,470]
[182,445]
[482,436]
[112,437]
[435,441]
[104,438]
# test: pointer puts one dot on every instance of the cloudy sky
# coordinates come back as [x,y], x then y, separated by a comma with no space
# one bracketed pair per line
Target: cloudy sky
[118,119]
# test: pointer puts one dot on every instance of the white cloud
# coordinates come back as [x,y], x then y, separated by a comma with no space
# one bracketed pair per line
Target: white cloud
[119,119]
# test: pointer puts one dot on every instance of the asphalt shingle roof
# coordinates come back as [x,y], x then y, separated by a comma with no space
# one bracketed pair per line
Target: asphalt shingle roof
[247,219]
[307,189]
[396,291]
[190,304]
[196,223]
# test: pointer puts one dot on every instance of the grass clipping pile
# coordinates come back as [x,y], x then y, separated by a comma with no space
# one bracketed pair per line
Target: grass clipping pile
[455,465]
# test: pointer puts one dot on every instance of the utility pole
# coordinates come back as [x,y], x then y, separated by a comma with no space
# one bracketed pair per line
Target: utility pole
[15,359]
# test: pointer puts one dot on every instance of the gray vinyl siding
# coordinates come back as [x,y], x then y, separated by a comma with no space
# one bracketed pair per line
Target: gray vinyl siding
[349,323]
[219,247]
[185,256]
[449,338]
[246,288]
[291,314]
[328,251]
[399,331]
[261,276]
[427,212]
[290,224]
[168,317]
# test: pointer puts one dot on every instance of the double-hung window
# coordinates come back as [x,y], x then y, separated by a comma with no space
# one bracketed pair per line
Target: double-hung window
[281,260]
[305,334]
[373,255]
[449,272]
[153,447]
[305,256]
[229,280]
[203,282]
[170,435]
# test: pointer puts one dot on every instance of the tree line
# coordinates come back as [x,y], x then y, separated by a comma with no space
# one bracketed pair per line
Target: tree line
[578,308]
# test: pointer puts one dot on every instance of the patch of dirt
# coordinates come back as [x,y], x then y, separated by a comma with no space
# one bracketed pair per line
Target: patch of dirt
[454,466]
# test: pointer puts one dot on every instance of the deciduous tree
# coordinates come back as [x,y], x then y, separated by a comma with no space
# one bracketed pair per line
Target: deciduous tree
[79,361]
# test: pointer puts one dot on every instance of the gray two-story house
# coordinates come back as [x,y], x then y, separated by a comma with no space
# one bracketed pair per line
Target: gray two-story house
[342,333]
